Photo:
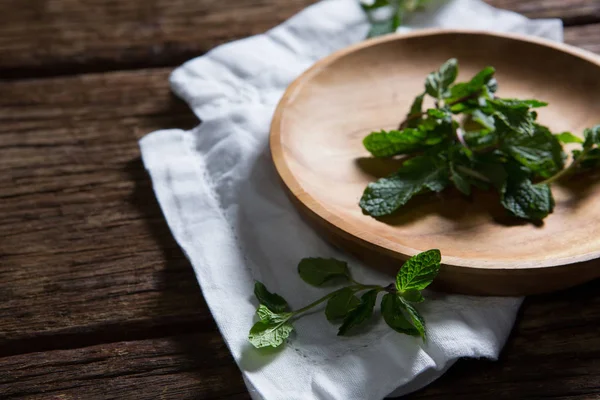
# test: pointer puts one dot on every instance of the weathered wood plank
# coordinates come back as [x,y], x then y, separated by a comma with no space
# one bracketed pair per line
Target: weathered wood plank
[554,353]
[84,245]
[572,12]
[585,36]
[69,36]
[182,367]
[58,37]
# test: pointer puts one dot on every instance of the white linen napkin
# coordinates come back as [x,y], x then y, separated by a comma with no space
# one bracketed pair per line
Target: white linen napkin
[223,201]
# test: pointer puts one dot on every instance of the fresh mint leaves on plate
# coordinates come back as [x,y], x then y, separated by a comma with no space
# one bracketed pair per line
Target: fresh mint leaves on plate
[472,138]
[275,318]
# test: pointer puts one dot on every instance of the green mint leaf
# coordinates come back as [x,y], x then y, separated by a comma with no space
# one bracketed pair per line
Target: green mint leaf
[478,140]
[341,304]
[474,86]
[390,143]
[361,313]
[525,200]
[568,137]
[417,106]
[269,334]
[273,301]
[516,103]
[517,118]
[492,86]
[413,295]
[493,170]
[392,310]
[416,318]
[266,315]
[386,195]
[441,114]
[419,271]
[541,152]
[461,182]
[592,136]
[486,121]
[317,271]
[591,160]
[438,82]
[379,28]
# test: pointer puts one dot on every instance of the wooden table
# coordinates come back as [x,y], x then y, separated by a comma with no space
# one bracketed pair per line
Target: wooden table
[96,298]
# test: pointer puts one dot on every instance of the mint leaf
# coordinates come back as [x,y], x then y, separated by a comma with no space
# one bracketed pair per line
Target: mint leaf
[440,113]
[386,195]
[592,136]
[568,137]
[516,103]
[416,318]
[341,304]
[486,121]
[474,86]
[413,295]
[493,170]
[379,28]
[525,200]
[392,310]
[266,315]
[272,301]
[514,117]
[416,109]
[541,152]
[317,271]
[269,334]
[460,181]
[418,271]
[478,140]
[361,313]
[437,83]
[390,143]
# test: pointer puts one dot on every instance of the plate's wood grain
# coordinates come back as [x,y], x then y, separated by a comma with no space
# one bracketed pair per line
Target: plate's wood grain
[316,143]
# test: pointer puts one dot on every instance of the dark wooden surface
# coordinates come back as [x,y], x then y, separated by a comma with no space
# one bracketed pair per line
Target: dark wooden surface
[96,299]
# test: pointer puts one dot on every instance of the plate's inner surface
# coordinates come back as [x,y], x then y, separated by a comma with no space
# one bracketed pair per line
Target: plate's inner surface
[336,106]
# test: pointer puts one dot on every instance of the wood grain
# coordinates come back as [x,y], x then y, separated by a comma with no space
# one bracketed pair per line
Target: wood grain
[585,36]
[95,293]
[572,12]
[316,143]
[59,37]
[84,245]
[545,358]
[195,366]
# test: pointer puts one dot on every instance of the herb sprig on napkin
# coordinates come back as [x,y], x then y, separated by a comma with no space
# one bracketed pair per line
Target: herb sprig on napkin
[386,16]
[472,138]
[343,305]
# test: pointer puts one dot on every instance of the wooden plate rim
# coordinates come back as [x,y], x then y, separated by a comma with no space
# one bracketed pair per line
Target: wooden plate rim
[366,238]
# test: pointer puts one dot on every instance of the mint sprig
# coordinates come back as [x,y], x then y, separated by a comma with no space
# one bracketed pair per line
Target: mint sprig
[472,138]
[386,16]
[274,323]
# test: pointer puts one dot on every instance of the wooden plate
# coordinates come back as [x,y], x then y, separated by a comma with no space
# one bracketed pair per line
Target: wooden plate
[316,143]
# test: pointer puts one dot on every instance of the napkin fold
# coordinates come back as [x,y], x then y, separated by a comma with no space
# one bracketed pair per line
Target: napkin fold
[225,206]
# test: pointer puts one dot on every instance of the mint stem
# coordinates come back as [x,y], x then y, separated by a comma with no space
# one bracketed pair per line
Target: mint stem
[315,303]
[437,105]
[473,173]
[567,170]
